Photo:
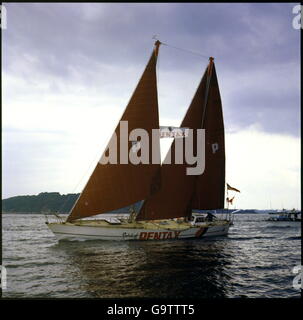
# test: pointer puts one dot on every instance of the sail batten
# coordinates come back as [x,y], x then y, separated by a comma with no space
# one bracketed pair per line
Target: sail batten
[116,185]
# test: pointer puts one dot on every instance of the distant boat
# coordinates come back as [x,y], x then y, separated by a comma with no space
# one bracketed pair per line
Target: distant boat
[168,195]
[285,215]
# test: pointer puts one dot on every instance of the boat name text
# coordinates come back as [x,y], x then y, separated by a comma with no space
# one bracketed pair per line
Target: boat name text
[159,235]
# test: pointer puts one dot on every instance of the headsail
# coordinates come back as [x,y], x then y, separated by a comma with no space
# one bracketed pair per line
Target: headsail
[113,186]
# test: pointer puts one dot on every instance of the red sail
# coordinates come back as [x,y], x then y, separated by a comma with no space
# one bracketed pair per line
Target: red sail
[177,188]
[113,186]
[180,193]
[210,187]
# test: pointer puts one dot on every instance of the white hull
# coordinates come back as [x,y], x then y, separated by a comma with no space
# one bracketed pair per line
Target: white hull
[71,231]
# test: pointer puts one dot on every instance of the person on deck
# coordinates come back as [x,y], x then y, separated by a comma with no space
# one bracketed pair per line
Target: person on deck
[210,217]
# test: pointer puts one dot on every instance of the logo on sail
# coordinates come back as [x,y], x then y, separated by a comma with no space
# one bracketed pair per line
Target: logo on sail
[173,132]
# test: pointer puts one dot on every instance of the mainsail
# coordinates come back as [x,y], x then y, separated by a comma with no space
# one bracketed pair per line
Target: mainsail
[210,186]
[180,193]
[113,186]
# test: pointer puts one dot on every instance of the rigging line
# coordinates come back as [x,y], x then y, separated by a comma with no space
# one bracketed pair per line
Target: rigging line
[189,51]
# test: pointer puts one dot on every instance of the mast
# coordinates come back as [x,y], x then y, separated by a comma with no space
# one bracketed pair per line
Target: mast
[116,185]
[209,73]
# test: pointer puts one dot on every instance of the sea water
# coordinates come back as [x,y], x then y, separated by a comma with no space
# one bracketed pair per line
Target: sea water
[255,260]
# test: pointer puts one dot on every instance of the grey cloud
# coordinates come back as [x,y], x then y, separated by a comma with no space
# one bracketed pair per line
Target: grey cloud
[72,41]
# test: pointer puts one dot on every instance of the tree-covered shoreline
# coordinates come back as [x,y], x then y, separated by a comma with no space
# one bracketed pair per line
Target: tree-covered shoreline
[44,202]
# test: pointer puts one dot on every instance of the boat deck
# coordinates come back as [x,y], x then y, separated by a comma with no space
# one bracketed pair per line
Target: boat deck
[156,224]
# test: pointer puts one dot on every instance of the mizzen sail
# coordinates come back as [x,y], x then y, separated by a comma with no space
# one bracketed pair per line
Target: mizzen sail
[177,188]
[116,185]
[210,186]
[180,192]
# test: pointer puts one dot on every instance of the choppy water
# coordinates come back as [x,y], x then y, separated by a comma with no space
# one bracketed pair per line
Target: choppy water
[255,260]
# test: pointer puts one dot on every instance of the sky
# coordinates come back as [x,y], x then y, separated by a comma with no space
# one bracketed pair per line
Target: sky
[69,69]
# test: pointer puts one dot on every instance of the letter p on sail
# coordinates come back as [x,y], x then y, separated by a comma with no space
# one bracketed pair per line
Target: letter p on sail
[215,147]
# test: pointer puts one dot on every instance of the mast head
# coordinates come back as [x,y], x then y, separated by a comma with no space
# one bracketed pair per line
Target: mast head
[157,45]
[211,62]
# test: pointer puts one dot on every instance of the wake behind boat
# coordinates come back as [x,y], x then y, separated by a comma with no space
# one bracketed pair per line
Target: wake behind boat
[168,193]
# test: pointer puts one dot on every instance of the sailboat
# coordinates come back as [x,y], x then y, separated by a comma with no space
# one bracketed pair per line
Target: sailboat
[166,196]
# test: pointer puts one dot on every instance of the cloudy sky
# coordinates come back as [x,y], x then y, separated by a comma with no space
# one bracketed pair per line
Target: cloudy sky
[68,71]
